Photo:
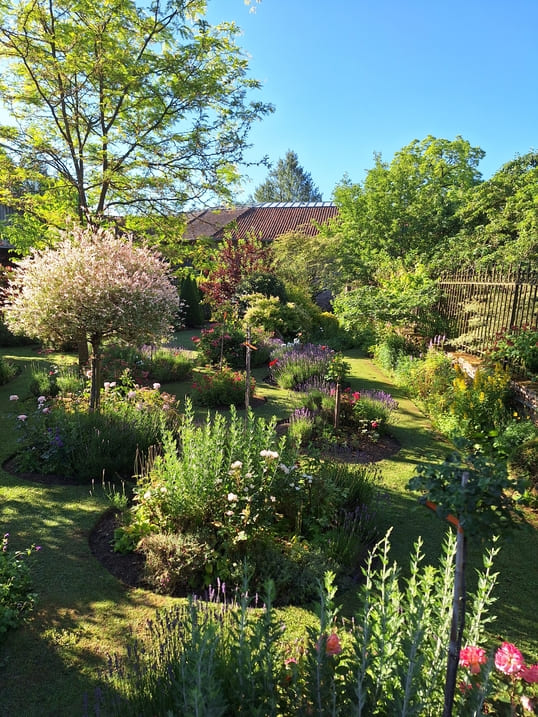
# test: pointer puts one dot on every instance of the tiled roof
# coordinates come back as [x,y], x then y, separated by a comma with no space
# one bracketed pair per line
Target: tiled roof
[266,221]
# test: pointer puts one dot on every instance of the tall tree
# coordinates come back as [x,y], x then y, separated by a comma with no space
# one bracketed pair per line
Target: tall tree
[288,182]
[499,219]
[96,286]
[406,209]
[130,107]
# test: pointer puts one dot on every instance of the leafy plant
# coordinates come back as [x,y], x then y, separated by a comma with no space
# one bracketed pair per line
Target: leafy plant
[16,596]
[7,371]
[221,388]
[237,657]
[517,346]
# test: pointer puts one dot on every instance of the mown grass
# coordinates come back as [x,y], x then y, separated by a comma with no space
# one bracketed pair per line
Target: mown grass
[84,613]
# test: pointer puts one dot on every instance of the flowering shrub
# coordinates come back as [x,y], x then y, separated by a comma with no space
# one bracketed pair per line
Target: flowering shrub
[232,489]
[293,364]
[513,686]
[518,347]
[61,437]
[236,657]
[16,596]
[221,343]
[226,387]
[146,364]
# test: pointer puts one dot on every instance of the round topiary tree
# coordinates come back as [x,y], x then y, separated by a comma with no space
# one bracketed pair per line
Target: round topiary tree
[93,286]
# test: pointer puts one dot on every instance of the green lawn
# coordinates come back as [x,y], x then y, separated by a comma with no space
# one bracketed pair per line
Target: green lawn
[84,613]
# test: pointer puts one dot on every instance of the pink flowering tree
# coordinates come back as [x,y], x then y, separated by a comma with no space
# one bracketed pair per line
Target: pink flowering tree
[92,286]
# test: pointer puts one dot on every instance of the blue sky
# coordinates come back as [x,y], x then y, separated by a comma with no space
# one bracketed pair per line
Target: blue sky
[352,77]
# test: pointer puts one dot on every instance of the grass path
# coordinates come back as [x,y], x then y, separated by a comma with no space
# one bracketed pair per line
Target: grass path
[84,613]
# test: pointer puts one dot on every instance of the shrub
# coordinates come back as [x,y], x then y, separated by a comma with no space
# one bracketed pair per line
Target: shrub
[391,349]
[63,438]
[8,371]
[189,295]
[219,389]
[44,380]
[221,344]
[174,563]
[227,658]
[169,366]
[16,596]
[518,347]
[294,364]
[233,486]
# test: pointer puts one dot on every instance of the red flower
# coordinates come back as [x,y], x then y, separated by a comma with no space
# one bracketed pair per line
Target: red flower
[472,657]
[273,362]
[333,646]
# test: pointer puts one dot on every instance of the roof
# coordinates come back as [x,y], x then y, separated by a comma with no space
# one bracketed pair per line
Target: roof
[266,221]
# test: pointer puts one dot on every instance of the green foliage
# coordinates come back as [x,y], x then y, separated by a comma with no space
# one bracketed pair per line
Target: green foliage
[283,320]
[288,182]
[227,658]
[222,387]
[405,209]
[232,488]
[264,284]
[398,298]
[498,219]
[44,381]
[156,67]
[169,365]
[391,349]
[8,371]
[16,596]
[483,505]
[294,364]
[63,438]
[518,347]
[190,296]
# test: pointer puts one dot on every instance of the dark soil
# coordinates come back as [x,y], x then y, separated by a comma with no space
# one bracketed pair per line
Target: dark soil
[129,568]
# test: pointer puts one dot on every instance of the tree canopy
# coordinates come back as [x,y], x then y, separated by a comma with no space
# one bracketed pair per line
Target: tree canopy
[121,107]
[287,182]
[406,209]
[95,286]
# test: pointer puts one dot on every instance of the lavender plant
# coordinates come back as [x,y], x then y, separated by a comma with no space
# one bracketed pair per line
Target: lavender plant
[293,364]
[229,656]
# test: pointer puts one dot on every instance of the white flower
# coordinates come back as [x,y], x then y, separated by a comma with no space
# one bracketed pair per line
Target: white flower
[156,386]
[163,489]
[22,417]
[41,399]
[112,384]
[236,465]
[231,497]
[131,394]
[14,397]
[270,455]
[272,498]
[106,385]
[46,409]
[229,512]
[147,495]
[284,469]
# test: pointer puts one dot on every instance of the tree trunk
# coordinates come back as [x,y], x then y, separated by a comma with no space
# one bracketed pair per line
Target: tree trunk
[95,389]
[247,371]
[83,354]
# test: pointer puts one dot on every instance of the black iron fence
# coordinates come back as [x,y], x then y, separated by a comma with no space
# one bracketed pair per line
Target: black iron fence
[479,305]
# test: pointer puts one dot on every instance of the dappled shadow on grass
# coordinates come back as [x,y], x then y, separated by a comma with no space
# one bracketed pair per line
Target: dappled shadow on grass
[48,665]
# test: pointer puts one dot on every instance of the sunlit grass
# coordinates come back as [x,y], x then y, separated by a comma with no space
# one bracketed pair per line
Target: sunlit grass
[84,613]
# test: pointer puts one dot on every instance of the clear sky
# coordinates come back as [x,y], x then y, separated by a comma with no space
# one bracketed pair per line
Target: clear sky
[352,77]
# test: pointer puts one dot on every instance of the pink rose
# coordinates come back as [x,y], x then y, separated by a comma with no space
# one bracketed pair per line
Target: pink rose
[508,659]
[472,657]
[530,673]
